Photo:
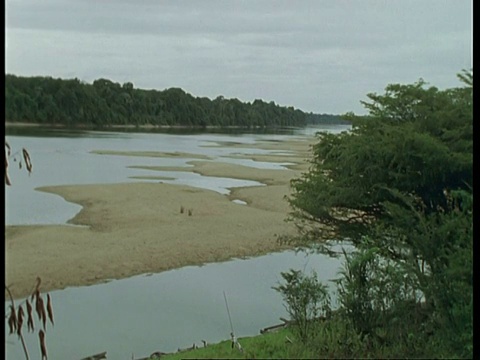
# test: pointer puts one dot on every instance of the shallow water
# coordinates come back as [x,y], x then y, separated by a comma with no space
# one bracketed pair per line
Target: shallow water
[65,158]
[69,161]
[160,312]
[170,310]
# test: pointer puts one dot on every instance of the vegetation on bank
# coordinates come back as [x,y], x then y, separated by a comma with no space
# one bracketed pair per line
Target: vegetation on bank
[399,186]
[267,346]
[331,340]
[71,102]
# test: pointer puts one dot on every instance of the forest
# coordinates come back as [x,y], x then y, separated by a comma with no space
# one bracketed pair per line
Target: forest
[75,103]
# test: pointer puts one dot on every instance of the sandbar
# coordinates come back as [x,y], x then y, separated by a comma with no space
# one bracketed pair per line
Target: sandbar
[235,171]
[175,154]
[134,228]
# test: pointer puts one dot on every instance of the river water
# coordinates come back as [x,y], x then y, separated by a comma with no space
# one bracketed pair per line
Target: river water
[153,312]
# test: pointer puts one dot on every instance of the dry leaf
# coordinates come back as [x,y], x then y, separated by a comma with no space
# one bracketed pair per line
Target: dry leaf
[43,347]
[7,179]
[12,320]
[29,317]
[39,307]
[20,320]
[26,157]
[49,308]
[43,314]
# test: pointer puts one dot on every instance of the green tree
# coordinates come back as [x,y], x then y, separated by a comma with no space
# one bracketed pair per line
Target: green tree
[403,179]
[105,103]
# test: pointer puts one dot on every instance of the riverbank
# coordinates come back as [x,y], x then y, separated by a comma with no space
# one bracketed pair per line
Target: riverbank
[135,228]
[127,126]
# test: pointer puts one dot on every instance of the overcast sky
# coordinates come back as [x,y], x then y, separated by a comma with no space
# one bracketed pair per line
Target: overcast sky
[322,56]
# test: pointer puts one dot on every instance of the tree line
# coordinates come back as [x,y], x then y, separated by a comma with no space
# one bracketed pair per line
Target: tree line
[72,102]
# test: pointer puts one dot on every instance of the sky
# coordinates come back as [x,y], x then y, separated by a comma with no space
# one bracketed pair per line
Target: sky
[320,56]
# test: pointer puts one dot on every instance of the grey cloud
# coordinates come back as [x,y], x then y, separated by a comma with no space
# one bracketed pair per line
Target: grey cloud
[316,55]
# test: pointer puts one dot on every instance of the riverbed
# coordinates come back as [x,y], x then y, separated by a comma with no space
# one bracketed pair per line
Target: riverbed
[174,308]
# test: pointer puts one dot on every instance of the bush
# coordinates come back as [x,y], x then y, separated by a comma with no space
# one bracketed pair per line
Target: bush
[306,301]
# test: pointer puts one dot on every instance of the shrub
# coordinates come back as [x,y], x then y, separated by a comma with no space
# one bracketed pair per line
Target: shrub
[306,301]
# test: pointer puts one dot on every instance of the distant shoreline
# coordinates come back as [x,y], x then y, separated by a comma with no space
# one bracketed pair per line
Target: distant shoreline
[144,126]
[150,126]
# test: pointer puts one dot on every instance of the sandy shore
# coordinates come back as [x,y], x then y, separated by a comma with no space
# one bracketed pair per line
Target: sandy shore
[135,228]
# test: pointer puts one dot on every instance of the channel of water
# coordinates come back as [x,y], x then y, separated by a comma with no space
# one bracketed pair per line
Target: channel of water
[155,312]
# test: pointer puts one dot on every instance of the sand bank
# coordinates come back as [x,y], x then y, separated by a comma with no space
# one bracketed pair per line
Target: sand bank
[164,154]
[135,228]
[139,228]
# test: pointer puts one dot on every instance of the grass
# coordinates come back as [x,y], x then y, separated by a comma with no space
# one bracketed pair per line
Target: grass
[333,339]
[267,346]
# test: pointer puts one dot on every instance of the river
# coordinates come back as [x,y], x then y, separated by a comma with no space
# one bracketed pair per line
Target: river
[151,312]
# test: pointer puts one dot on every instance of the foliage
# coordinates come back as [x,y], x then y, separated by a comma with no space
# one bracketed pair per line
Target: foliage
[377,296]
[306,300]
[355,175]
[399,186]
[334,339]
[104,103]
